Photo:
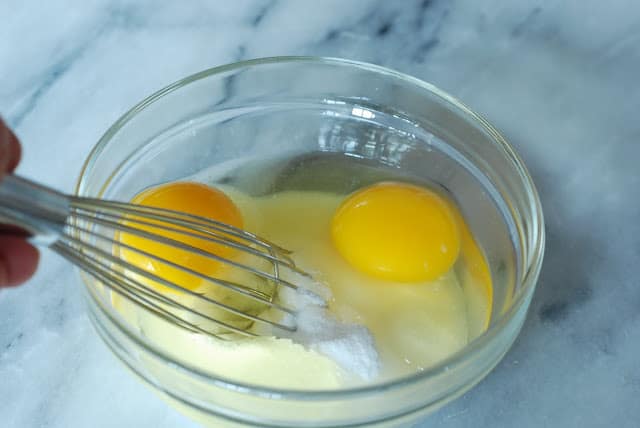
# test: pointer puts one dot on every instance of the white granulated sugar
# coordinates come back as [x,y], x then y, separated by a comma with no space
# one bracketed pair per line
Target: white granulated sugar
[350,345]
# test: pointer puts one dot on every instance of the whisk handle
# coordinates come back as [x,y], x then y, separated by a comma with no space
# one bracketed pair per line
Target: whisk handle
[39,210]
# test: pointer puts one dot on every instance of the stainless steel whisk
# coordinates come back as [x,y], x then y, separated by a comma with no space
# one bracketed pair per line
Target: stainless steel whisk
[85,232]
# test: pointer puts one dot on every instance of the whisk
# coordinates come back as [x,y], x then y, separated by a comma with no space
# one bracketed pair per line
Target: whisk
[87,232]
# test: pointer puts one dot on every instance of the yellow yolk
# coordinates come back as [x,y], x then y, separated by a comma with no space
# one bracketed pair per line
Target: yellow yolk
[191,198]
[397,231]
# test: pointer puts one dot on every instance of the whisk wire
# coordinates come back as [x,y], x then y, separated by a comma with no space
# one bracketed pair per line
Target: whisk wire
[107,278]
[87,232]
[181,245]
[102,205]
[222,238]
[118,261]
[175,244]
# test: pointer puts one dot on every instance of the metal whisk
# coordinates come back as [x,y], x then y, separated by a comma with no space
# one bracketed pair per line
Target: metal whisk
[88,232]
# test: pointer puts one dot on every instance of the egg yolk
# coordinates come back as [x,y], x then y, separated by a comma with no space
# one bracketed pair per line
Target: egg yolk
[191,198]
[397,232]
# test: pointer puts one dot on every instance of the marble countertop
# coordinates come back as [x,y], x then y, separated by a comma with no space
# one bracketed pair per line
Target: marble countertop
[559,78]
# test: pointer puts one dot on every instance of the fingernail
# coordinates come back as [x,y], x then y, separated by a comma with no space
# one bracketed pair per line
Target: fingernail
[4,146]
[4,134]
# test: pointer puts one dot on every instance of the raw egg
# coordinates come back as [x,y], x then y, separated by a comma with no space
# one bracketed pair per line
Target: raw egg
[397,232]
[191,198]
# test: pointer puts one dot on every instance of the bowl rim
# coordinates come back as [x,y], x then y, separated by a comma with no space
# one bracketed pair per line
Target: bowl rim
[528,278]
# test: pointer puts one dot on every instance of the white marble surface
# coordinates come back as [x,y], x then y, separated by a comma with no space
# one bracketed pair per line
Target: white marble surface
[559,78]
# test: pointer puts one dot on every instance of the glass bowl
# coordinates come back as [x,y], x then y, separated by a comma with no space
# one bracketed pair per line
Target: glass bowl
[302,109]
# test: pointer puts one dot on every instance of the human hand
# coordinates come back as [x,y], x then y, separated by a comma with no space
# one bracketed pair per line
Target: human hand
[18,258]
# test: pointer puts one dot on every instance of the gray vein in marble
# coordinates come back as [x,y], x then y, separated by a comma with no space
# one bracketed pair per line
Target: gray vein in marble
[389,23]
[262,13]
[53,74]
[522,26]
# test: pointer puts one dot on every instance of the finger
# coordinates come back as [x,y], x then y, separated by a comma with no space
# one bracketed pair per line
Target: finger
[18,260]
[15,152]
[10,150]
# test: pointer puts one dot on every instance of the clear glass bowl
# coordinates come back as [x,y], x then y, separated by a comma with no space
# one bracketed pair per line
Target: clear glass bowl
[296,107]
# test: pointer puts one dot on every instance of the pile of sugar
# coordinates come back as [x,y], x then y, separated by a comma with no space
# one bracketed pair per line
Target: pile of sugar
[351,346]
